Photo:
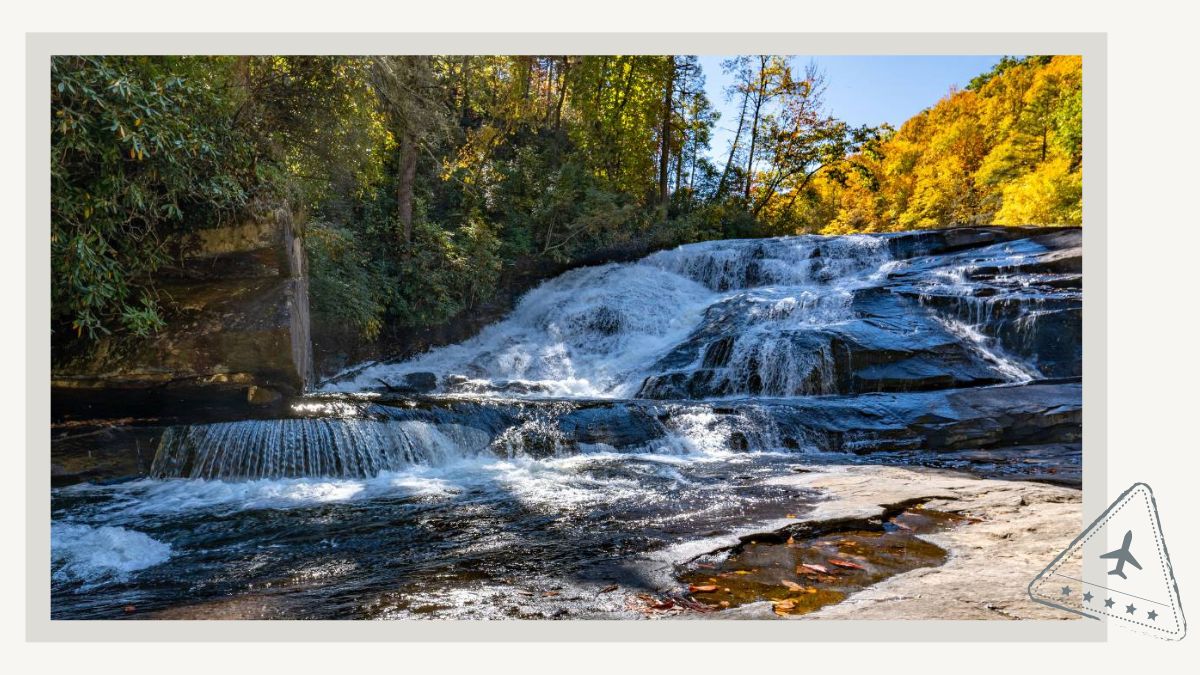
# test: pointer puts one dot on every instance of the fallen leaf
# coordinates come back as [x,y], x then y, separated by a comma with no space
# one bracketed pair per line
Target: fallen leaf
[664,604]
[706,588]
[846,564]
[549,594]
[791,541]
[813,568]
[782,607]
[609,589]
[791,585]
[724,603]
[791,515]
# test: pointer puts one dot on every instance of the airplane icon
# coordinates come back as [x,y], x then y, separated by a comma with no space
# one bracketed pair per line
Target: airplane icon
[1122,556]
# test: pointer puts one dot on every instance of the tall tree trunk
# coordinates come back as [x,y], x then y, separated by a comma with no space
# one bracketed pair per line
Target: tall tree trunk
[526,77]
[664,159]
[404,189]
[679,165]
[562,93]
[750,155]
[465,106]
[758,104]
[734,145]
[692,170]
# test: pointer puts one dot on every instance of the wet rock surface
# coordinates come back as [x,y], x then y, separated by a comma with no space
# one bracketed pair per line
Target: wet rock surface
[630,435]
[802,574]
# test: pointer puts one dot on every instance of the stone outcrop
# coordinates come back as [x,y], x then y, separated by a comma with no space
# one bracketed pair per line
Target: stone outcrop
[1015,529]
[237,333]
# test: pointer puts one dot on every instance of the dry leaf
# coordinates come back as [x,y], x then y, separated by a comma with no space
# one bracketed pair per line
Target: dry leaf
[706,588]
[812,568]
[791,585]
[846,564]
[783,606]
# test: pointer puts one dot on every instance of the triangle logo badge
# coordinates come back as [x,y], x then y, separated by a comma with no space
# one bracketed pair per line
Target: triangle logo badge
[1118,570]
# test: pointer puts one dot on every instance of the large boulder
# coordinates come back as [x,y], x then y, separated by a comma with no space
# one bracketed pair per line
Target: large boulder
[887,343]
[237,331]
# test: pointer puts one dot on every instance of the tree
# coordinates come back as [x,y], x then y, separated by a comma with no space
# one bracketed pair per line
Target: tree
[802,140]
[772,79]
[739,67]
[1007,150]
[417,116]
[664,136]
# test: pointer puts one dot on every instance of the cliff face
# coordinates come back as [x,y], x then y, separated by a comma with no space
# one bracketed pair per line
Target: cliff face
[237,332]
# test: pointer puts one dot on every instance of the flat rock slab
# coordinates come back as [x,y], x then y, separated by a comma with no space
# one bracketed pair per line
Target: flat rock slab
[1022,527]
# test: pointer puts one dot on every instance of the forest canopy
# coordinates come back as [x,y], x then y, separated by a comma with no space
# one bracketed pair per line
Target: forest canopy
[424,179]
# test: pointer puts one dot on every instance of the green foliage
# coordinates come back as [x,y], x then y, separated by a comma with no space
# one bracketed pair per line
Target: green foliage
[426,177]
[137,143]
[447,271]
[347,287]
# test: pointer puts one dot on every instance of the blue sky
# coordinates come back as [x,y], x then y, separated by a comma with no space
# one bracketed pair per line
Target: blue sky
[860,89]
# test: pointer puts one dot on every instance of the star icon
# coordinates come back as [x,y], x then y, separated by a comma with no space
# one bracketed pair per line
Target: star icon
[1108,602]
[1152,615]
[1130,609]
[1087,597]
[1066,590]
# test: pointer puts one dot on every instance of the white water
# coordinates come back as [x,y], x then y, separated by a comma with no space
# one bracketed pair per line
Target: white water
[100,554]
[751,316]
[595,332]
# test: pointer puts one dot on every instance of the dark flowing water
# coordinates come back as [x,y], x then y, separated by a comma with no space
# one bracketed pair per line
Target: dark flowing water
[619,411]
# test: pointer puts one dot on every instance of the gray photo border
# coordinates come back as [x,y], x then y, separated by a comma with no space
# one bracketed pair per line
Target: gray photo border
[40,46]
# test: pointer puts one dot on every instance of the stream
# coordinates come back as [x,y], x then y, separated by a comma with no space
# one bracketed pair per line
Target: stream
[534,470]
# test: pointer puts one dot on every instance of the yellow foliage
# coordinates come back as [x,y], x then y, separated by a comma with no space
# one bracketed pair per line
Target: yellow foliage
[1005,152]
[1051,195]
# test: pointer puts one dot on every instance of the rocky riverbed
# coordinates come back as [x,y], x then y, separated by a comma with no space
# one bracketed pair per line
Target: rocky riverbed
[733,414]
[1001,535]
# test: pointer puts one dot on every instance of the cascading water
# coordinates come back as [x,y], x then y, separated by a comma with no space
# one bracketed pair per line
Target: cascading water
[292,448]
[788,317]
[599,332]
[617,410]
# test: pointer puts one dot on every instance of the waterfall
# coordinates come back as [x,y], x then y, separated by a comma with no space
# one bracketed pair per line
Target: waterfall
[289,448]
[789,318]
[600,331]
